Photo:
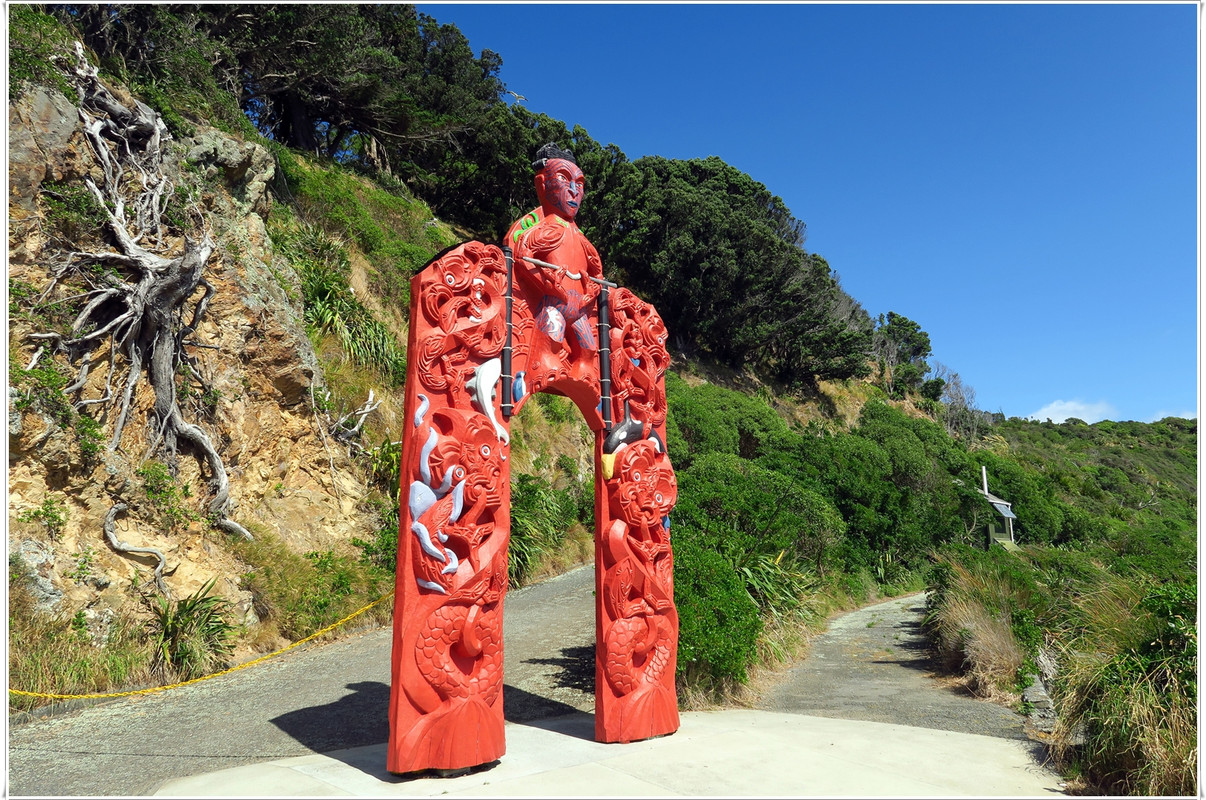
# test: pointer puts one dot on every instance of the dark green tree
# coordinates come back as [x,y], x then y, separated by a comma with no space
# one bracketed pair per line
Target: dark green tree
[722,259]
[901,347]
[371,84]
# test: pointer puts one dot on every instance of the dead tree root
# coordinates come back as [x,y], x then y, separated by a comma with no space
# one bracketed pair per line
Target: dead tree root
[122,547]
[139,310]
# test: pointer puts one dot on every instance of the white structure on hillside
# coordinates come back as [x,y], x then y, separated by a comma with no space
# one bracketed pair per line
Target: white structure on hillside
[1004,537]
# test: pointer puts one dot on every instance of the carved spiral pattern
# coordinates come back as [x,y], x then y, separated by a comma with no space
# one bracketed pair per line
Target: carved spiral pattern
[648,488]
[462,300]
[545,237]
[451,632]
[639,357]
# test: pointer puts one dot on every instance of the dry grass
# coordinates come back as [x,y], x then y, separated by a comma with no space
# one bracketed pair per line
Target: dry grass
[1104,620]
[973,639]
[578,547]
[1140,739]
[1127,723]
[54,654]
[1132,728]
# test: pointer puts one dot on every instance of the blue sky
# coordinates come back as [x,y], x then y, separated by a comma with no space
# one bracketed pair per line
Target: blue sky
[1020,179]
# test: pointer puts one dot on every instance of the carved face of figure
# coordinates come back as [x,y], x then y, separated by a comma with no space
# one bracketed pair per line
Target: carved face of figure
[560,187]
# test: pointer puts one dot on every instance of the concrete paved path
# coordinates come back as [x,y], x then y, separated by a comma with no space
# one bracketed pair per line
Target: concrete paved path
[325,697]
[722,753]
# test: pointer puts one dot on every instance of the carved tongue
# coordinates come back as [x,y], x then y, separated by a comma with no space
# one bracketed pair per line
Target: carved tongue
[481,386]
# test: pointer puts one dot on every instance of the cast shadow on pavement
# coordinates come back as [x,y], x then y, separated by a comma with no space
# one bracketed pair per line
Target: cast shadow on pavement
[355,728]
[354,720]
[577,668]
[923,656]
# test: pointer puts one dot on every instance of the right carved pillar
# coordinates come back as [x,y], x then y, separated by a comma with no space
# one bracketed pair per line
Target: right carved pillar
[636,622]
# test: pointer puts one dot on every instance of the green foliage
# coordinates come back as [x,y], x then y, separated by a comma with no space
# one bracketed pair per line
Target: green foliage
[90,437]
[1029,636]
[72,210]
[166,496]
[35,39]
[166,56]
[384,465]
[381,550]
[892,479]
[19,293]
[742,510]
[331,307]
[85,560]
[386,228]
[902,347]
[1136,701]
[712,419]
[43,390]
[556,409]
[333,78]
[192,636]
[52,514]
[718,620]
[1127,486]
[302,594]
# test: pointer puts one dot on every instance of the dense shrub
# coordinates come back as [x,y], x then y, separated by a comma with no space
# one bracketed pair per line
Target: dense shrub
[718,620]
[711,419]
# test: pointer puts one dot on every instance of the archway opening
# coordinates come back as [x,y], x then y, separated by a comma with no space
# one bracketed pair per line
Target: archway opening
[549,616]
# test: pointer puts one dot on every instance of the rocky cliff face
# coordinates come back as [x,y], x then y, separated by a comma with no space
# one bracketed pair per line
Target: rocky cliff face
[246,381]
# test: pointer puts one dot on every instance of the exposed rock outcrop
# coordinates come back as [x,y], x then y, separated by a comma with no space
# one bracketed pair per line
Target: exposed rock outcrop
[250,348]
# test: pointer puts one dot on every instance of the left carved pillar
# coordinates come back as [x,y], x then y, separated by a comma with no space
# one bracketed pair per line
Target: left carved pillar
[446,693]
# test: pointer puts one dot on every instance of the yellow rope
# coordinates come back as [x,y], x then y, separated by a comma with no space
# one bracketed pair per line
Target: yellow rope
[154,689]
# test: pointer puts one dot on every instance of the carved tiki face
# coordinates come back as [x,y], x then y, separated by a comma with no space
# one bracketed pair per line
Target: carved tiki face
[560,188]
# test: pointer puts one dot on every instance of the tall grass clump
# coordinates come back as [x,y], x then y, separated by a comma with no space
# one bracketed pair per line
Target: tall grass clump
[542,519]
[55,653]
[1120,656]
[1129,688]
[331,307]
[393,231]
[971,610]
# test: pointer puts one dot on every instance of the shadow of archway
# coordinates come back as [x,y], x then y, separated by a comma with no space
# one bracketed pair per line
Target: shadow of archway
[354,720]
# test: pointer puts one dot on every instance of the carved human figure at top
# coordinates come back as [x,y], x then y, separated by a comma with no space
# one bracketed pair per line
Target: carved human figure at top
[550,235]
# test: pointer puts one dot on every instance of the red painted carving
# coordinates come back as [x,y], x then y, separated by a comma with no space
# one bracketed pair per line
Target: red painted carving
[446,700]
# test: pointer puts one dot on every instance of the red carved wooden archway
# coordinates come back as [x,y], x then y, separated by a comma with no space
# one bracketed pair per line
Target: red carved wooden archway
[490,327]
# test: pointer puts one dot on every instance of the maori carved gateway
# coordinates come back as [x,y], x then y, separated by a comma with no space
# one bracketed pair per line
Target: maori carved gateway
[490,327]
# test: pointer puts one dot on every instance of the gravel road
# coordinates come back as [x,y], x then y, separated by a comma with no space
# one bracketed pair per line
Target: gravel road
[322,698]
[874,664]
